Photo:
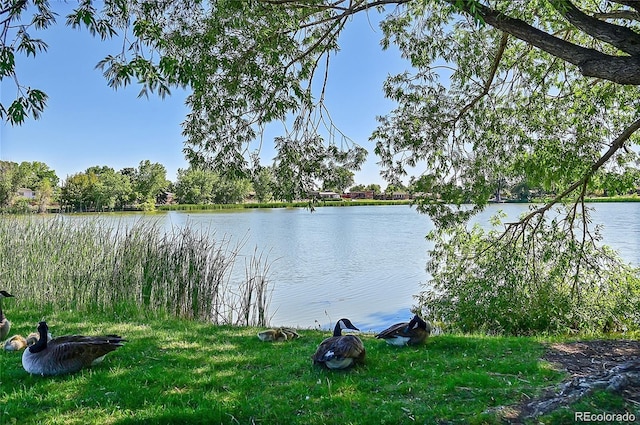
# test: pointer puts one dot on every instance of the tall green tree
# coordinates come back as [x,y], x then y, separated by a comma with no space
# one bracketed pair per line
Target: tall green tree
[263,184]
[98,188]
[149,181]
[36,176]
[195,186]
[78,191]
[232,191]
[338,179]
[112,190]
[31,174]
[199,186]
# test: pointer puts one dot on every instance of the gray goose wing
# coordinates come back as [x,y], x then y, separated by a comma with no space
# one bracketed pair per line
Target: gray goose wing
[72,353]
[324,348]
[399,329]
[349,346]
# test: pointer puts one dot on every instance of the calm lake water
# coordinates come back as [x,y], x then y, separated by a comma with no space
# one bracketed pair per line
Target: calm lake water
[365,263]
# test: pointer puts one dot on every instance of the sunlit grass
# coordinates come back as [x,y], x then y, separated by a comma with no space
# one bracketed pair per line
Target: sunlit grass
[179,371]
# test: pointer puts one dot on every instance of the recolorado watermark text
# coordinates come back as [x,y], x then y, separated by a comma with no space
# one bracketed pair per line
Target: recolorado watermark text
[604,417]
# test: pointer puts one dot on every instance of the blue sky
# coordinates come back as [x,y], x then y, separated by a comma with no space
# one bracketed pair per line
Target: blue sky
[87,123]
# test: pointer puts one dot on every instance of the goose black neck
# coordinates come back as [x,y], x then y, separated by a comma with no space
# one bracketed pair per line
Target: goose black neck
[337,331]
[414,321]
[42,342]
[3,294]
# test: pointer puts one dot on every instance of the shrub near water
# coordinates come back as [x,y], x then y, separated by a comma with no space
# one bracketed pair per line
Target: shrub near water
[94,264]
[493,282]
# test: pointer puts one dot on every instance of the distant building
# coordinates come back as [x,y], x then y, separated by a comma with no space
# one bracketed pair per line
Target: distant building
[325,196]
[165,198]
[397,196]
[367,194]
[26,193]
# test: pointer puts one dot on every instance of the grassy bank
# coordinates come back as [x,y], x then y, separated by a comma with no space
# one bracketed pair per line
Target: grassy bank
[179,371]
[192,372]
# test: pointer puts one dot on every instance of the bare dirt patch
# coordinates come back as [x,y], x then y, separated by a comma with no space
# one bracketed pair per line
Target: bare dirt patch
[587,358]
[613,365]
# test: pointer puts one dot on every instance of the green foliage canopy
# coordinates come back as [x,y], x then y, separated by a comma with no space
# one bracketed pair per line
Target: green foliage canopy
[199,186]
[102,188]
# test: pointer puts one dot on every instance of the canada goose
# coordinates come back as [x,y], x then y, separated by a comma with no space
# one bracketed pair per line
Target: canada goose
[278,334]
[5,324]
[414,332]
[340,351]
[67,354]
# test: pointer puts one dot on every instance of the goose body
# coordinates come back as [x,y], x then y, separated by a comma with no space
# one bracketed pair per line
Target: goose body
[414,332]
[67,354]
[278,334]
[5,324]
[340,351]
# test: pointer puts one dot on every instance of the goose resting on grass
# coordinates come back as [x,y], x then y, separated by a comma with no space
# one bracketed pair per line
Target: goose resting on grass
[340,351]
[5,324]
[414,332]
[67,354]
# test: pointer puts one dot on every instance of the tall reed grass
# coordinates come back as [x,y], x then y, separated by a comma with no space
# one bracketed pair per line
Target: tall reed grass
[97,264]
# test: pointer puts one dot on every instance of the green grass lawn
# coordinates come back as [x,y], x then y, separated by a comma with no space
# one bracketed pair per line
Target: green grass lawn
[178,371]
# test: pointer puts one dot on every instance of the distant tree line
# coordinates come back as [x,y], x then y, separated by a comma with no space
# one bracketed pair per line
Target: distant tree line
[101,188]
[104,189]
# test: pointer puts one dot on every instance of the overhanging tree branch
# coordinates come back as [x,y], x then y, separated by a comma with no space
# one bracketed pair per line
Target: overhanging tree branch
[591,62]
[629,15]
[617,144]
[487,84]
[621,37]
